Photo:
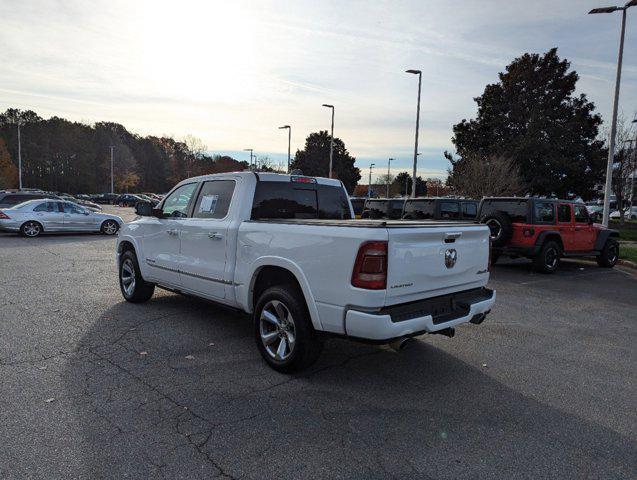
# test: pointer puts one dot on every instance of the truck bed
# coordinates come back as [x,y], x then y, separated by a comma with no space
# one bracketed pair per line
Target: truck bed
[369,223]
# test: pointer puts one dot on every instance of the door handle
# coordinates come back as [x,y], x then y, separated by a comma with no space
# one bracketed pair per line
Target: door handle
[215,235]
[172,232]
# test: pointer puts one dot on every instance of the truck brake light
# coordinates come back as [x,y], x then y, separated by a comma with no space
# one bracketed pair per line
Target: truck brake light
[370,268]
[296,178]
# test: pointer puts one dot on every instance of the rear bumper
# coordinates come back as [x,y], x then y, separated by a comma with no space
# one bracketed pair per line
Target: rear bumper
[530,251]
[415,318]
[9,226]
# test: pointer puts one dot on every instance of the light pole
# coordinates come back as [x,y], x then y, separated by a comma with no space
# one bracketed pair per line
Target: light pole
[413,179]
[632,173]
[289,142]
[19,158]
[369,187]
[613,126]
[388,164]
[112,182]
[249,150]
[331,136]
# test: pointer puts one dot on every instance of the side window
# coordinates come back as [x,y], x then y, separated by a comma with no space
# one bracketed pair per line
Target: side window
[46,207]
[544,212]
[176,204]
[449,210]
[214,199]
[564,213]
[469,209]
[73,208]
[581,214]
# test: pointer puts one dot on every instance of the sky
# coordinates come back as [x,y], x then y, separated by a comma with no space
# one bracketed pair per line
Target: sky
[231,72]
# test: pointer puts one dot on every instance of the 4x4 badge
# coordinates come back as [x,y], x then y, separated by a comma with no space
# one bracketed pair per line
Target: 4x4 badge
[450,257]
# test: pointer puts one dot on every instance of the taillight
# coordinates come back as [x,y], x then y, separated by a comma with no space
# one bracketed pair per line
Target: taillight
[370,268]
[4,216]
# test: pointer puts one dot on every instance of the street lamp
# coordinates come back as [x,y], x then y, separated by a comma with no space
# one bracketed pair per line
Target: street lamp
[19,158]
[388,164]
[249,150]
[613,126]
[632,173]
[112,147]
[413,179]
[369,187]
[331,136]
[289,141]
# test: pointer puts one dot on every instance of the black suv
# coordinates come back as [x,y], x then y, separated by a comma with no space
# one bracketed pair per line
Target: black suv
[440,209]
[9,199]
[383,208]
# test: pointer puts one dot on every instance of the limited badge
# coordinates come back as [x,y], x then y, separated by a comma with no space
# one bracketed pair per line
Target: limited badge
[450,257]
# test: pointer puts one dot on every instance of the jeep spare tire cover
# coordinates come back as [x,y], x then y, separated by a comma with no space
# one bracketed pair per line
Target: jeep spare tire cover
[501,227]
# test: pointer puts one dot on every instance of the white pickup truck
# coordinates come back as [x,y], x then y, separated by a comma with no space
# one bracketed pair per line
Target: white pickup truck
[287,250]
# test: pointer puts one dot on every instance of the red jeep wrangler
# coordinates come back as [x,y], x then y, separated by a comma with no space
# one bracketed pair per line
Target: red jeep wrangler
[545,230]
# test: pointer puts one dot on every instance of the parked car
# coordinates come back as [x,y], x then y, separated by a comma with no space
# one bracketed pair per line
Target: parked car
[383,208]
[128,200]
[34,217]
[440,209]
[85,203]
[11,198]
[629,213]
[105,198]
[545,230]
[153,201]
[358,204]
[286,250]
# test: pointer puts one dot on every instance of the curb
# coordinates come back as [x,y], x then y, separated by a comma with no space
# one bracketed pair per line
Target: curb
[627,263]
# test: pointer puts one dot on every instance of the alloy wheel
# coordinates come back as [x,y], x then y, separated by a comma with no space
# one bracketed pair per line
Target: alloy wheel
[277,329]
[110,228]
[128,276]
[31,229]
[613,253]
[550,257]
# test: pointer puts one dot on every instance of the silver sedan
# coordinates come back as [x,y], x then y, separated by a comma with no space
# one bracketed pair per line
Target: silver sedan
[34,217]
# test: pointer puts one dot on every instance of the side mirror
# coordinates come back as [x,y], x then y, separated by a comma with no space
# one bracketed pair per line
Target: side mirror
[144,209]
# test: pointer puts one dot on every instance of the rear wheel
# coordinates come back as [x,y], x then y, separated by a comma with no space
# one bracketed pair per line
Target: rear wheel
[283,330]
[109,227]
[609,255]
[30,229]
[134,288]
[548,259]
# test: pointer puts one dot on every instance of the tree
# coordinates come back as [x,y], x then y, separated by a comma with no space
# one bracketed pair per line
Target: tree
[402,184]
[624,164]
[8,171]
[127,180]
[478,177]
[532,117]
[314,159]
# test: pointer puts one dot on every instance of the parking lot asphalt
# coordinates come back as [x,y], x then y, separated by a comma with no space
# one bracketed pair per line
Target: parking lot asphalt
[94,387]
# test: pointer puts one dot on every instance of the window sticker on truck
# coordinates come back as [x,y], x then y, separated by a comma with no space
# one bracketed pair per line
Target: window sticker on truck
[208,203]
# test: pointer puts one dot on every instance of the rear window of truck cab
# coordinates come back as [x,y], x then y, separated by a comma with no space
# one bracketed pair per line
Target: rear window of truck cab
[289,200]
[517,210]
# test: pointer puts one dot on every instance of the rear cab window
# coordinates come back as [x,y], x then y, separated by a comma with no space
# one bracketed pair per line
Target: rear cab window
[292,200]
[469,209]
[449,210]
[517,210]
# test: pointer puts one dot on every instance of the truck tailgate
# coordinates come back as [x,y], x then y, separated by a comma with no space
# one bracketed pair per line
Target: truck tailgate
[417,266]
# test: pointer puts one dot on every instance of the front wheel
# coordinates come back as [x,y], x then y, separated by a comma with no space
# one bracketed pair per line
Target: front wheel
[283,330]
[609,255]
[134,288]
[548,259]
[109,227]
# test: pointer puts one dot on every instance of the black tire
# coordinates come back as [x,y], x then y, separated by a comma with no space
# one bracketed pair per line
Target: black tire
[548,259]
[31,229]
[141,290]
[306,346]
[501,227]
[109,227]
[609,255]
